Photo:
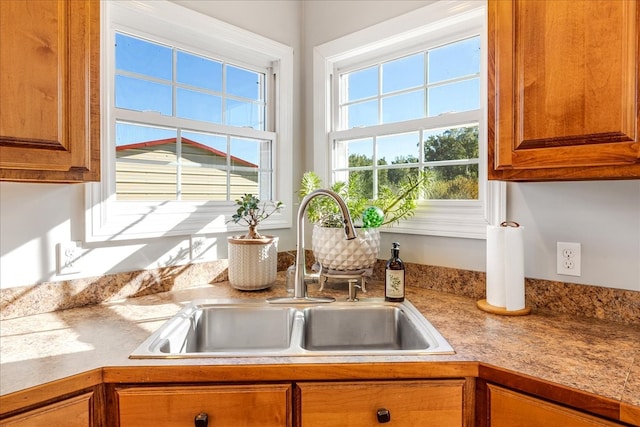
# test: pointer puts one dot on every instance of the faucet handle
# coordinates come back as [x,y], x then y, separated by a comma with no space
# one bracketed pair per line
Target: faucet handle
[353,290]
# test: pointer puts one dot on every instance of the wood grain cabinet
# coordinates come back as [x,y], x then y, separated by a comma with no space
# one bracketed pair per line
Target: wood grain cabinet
[264,405]
[508,408]
[49,90]
[563,89]
[399,403]
[73,412]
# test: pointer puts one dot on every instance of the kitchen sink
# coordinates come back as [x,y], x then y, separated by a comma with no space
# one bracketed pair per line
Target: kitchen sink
[253,328]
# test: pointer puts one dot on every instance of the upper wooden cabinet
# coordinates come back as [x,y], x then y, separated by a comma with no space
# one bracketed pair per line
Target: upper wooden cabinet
[49,90]
[563,89]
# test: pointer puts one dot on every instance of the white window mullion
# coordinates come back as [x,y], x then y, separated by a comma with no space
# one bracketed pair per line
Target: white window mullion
[179,165]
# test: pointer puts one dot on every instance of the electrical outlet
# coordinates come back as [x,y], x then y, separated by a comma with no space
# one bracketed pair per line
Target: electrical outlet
[68,257]
[568,258]
[197,246]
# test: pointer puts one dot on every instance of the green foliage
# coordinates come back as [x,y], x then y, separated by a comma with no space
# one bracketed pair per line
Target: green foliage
[397,202]
[252,214]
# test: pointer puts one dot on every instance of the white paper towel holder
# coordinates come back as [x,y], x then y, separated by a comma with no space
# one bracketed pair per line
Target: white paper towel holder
[485,306]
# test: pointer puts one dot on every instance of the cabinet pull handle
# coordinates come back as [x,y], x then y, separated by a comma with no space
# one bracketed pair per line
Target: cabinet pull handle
[201,420]
[384,415]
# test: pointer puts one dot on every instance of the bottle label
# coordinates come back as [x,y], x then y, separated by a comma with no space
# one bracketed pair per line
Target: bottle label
[394,284]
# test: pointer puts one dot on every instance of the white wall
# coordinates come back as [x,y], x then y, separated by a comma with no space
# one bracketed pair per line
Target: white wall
[603,216]
[35,217]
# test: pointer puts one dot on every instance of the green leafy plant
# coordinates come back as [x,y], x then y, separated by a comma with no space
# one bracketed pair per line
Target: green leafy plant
[252,214]
[395,203]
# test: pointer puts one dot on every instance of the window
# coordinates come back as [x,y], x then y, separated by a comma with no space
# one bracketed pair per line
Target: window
[189,123]
[161,157]
[401,103]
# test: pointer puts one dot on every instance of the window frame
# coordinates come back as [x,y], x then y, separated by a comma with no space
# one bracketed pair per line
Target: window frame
[431,24]
[107,219]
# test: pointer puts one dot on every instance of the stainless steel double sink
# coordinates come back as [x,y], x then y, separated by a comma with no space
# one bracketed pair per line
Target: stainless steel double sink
[250,328]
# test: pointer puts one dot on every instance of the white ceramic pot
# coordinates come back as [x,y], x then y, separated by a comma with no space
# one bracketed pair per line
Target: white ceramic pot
[334,252]
[253,263]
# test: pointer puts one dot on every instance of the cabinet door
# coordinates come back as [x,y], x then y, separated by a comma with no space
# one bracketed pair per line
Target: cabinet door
[563,89]
[256,405]
[409,403]
[49,90]
[73,412]
[511,409]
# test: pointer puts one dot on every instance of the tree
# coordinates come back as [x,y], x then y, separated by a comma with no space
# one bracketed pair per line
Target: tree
[459,181]
[453,144]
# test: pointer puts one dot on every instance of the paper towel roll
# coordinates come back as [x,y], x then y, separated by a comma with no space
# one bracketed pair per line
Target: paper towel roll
[514,268]
[495,266]
[505,267]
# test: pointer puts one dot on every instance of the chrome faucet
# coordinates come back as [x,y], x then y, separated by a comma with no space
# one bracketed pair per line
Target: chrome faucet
[300,287]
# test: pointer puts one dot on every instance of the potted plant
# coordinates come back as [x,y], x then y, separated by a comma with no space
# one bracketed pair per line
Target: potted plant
[328,244]
[252,256]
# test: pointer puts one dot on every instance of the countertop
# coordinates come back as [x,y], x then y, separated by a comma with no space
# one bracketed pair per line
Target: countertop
[587,355]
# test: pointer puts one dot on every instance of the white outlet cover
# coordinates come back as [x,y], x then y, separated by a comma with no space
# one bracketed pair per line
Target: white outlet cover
[68,257]
[568,257]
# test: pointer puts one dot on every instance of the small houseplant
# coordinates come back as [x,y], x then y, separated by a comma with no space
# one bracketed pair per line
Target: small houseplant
[253,258]
[329,247]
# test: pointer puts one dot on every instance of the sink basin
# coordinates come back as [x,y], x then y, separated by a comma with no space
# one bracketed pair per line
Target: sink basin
[207,328]
[361,328]
[251,328]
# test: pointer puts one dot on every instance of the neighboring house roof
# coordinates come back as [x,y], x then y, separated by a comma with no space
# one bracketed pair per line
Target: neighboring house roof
[187,141]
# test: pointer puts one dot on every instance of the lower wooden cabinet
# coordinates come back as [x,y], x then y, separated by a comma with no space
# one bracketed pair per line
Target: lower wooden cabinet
[265,405]
[72,412]
[401,403]
[508,408]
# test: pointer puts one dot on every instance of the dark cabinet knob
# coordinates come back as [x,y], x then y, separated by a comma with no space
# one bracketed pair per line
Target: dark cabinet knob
[201,420]
[384,415]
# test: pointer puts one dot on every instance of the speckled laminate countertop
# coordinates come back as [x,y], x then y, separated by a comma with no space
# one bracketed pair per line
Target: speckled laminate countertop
[588,355]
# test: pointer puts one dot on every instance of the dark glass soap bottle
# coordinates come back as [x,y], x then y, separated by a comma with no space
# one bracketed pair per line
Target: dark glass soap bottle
[394,276]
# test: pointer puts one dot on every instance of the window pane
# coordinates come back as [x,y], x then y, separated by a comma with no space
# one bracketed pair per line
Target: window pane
[244,83]
[203,166]
[403,107]
[143,95]
[390,179]
[364,182]
[455,182]
[403,73]
[246,155]
[362,114]
[360,152]
[198,71]
[451,144]
[455,97]
[455,60]
[244,114]
[145,163]
[402,148]
[361,84]
[127,133]
[143,57]
[199,106]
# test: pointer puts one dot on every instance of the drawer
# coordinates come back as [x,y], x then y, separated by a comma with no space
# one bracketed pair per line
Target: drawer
[354,404]
[266,405]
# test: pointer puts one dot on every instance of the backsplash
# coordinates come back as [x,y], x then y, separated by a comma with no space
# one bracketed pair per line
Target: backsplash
[579,300]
